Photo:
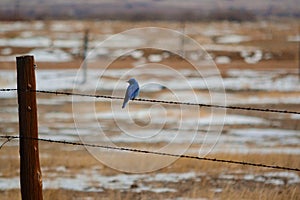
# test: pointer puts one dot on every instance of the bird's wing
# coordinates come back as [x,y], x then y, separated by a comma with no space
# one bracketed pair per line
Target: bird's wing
[127,96]
[133,90]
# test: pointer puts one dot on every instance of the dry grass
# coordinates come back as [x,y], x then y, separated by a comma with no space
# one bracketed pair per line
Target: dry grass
[76,159]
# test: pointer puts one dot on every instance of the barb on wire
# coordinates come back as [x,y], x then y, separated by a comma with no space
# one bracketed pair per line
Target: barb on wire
[8,139]
[156,153]
[164,101]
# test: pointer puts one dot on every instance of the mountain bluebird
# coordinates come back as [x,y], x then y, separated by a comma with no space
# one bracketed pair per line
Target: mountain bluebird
[132,91]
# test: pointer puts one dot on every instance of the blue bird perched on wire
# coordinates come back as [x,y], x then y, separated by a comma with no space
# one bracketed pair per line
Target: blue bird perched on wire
[132,91]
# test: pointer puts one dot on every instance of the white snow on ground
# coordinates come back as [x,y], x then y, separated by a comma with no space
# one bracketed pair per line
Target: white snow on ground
[6,51]
[155,58]
[227,47]
[73,43]
[237,80]
[222,60]
[259,133]
[26,42]
[92,181]
[252,59]
[43,55]
[120,41]
[213,31]
[137,54]
[227,120]
[272,178]
[236,139]
[60,26]
[50,55]
[232,39]
[293,38]
[286,99]
[14,26]
[251,150]
[9,183]
[270,136]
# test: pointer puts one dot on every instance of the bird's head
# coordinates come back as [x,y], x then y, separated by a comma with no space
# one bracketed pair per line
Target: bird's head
[131,81]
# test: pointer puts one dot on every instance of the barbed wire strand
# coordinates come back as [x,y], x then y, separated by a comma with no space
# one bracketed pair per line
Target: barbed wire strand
[8,139]
[155,153]
[164,101]
[7,89]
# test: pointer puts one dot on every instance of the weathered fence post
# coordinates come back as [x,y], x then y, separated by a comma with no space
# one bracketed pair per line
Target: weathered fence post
[84,54]
[30,172]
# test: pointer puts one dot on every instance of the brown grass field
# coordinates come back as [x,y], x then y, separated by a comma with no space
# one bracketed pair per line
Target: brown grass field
[210,176]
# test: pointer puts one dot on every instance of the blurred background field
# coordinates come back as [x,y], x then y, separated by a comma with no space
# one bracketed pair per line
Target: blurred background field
[248,56]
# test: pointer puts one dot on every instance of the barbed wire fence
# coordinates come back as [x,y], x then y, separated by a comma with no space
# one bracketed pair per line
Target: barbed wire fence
[9,138]
[160,101]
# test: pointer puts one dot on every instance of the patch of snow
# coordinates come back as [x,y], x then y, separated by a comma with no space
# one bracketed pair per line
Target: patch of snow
[210,32]
[26,34]
[7,58]
[171,177]
[274,178]
[14,26]
[26,42]
[194,56]
[61,137]
[226,176]
[227,48]
[120,41]
[137,54]
[274,181]
[67,43]
[232,39]
[264,100]
[293,38]
[237,80]
[50,55]
[226,120]
[60,26]
[58,115]
[292,178]
[295,116]
[243,149]
[268,56]
[264,81]
[92,181]
[255,58]
[9,183]
[165,55]
[6,51]
[155,58]
[61,169]
[222,60]
[162,190]
[260,133]
[139,62]
[249,177]
[217,190]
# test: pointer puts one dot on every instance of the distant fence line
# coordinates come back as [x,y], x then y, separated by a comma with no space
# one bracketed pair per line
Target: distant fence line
[161,101]
[10,138]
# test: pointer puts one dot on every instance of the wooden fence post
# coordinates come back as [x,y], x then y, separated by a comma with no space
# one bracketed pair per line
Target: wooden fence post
[30,172]
[84,54]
